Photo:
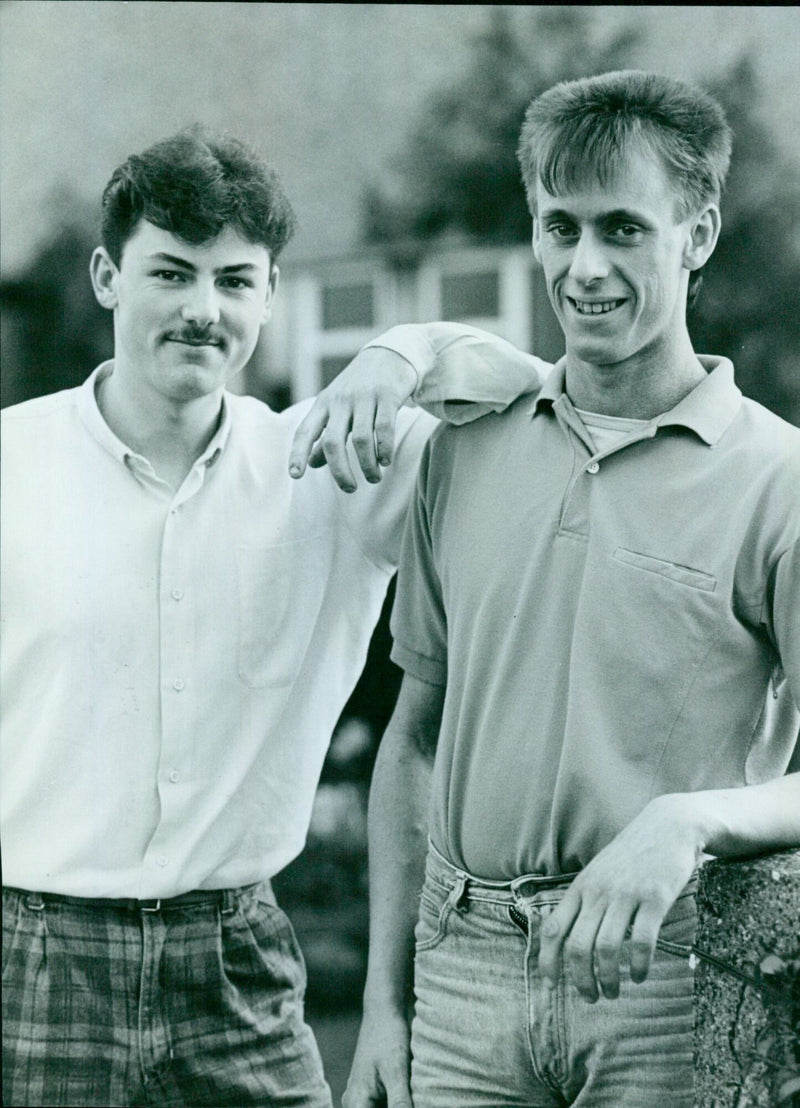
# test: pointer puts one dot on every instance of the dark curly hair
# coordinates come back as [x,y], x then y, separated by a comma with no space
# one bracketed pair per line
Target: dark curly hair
[194,184]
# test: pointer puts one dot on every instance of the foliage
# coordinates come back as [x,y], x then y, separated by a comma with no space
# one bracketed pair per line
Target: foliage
[57,330]
[460,169]
[779,1041]
[748,306]
[459,174]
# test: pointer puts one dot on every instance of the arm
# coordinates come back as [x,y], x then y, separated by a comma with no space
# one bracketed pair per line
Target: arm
[636,879]
[398,809]
[456,371]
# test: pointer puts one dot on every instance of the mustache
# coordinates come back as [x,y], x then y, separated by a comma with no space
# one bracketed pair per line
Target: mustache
[195,335]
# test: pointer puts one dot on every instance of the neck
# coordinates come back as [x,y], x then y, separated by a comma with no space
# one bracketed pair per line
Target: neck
[641,387]
[171,435]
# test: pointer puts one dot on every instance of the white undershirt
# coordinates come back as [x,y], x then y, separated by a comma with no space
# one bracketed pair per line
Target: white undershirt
[607,431]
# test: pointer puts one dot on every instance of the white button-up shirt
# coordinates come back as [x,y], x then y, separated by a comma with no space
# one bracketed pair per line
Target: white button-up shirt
[174,663]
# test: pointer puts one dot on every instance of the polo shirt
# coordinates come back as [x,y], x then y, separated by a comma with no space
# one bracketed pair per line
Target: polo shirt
[174,663]
[609,625]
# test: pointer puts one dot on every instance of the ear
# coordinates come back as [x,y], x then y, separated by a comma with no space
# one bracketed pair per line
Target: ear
[272,292]
[104,276]
[535,241]
[703,232]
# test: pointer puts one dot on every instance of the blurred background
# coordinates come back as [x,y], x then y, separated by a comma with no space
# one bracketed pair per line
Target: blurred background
[394,129]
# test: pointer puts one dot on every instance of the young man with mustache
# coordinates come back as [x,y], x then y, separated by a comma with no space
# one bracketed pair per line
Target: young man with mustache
[182,626]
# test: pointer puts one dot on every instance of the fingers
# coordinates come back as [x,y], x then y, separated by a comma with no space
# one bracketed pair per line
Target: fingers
[305,436]
[394,1093]
[381,1065]
[363,436]
[322,436]
[590,936]
[580,950]
[646,927]
[555,929]
[334,447]
[608,948]
[385,421]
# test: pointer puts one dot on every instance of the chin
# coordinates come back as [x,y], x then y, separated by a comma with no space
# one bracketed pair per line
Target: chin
[597,354]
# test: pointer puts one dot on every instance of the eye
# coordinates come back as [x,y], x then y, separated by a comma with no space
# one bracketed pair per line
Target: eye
[626,231]
[561,230]
[169,275]
[236,283]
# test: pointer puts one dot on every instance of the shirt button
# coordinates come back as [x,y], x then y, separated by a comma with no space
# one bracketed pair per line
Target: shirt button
[177,594]
[162,859]
[178,684]
[593,467]
[174,776]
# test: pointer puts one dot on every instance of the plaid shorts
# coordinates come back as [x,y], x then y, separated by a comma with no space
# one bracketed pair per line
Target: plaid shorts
[198,1004]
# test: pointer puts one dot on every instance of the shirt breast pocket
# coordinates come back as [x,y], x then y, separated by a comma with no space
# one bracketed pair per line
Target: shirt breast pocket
[673,571]
[281,589]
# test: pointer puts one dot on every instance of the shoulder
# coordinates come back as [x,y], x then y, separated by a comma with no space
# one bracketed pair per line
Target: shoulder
[771,443]
[485,427]
[249,411]
[39,408]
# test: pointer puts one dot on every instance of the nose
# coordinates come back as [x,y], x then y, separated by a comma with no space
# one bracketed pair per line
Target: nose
[589,262]
[200,304]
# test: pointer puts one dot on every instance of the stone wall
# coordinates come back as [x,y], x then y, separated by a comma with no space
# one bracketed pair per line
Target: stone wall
[747,984]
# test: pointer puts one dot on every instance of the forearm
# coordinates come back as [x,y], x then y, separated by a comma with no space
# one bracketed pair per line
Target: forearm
[754,819]
[397,848]
[455,363]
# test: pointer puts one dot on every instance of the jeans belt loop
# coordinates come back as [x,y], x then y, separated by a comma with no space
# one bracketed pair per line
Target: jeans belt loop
[34,902]
[454,900]
[150,905]
[228,902]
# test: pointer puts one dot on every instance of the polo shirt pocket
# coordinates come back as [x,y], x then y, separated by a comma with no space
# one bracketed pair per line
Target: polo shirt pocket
[281,589]
[683,575]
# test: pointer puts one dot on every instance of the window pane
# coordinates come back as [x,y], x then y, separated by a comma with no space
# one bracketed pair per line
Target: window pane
[470,294]
[347,306]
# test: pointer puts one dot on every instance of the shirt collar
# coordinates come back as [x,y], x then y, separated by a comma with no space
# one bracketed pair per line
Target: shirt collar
[708,410]
[93,421]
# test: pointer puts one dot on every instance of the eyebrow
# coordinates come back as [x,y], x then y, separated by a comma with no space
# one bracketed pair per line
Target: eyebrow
[241,267]
[618,215]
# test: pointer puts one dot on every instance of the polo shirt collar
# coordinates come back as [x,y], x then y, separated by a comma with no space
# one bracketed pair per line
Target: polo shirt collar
[93,421]
[708,410]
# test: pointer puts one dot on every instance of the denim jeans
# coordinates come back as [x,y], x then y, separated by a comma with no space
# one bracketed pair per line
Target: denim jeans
[489,1032]
[176,1006]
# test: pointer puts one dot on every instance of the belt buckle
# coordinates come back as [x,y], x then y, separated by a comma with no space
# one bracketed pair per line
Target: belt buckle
[150,905]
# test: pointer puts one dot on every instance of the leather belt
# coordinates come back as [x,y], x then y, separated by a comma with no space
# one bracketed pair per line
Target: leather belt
[36,901]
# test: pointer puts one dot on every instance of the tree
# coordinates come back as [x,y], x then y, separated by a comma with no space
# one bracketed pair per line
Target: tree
[748,306]
[459,173]
[56,329]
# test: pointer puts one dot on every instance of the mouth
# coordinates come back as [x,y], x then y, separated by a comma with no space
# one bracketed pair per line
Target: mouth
[595,307]
[186,340]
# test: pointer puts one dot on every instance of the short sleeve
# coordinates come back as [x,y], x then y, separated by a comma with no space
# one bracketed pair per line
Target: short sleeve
[419,626]
[783,615]
[375,514]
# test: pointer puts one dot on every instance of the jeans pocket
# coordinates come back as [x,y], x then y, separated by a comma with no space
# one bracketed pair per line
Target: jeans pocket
[680,923]
[434,910]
